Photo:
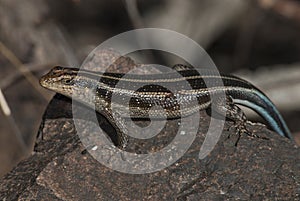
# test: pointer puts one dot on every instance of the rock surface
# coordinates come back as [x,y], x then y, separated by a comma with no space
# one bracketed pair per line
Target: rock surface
[61,168]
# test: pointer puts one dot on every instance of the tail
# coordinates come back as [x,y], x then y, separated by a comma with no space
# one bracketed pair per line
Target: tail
[261,104]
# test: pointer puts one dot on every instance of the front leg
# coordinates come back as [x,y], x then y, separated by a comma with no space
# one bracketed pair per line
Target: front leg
[118,122]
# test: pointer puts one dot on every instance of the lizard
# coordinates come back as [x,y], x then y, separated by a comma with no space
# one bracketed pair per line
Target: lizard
[96,89]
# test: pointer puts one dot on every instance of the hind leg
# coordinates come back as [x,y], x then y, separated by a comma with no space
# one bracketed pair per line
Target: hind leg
[235,114]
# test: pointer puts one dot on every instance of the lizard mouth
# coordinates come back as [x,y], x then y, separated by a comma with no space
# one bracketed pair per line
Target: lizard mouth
[44,81]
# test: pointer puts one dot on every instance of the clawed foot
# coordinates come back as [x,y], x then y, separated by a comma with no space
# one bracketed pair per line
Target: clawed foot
[240,129]
[112,151]
[107,152]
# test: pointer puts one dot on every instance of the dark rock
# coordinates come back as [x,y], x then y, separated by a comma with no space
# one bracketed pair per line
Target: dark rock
[61,168]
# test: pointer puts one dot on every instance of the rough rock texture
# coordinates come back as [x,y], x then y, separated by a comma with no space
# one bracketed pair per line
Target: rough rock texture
[61,168]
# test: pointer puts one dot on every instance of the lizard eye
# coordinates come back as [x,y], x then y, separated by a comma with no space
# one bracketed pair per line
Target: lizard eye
[68,81]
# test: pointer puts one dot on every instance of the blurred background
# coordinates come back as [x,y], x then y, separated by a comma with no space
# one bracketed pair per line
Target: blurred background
[255,39]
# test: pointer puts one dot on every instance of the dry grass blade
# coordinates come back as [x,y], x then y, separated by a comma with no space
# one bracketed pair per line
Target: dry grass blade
[134,14]
[12,78]
[18,64]
[4,106]
[7,112]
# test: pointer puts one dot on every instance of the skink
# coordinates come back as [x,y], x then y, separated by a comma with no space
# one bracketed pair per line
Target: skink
[96,90]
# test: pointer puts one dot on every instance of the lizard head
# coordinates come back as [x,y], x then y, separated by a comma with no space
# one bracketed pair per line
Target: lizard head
[60,80]
[69,82]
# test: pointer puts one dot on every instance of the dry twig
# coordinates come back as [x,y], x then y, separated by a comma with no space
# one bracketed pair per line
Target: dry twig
[20,67]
